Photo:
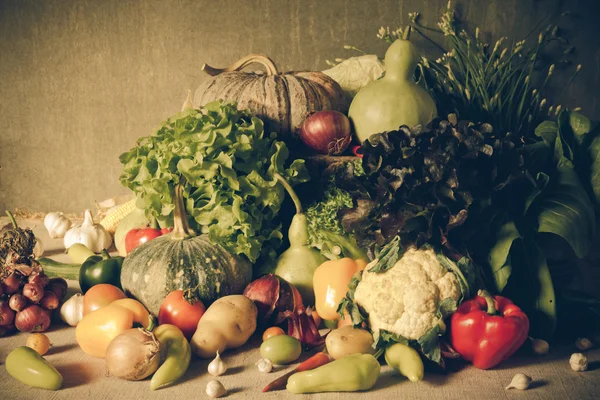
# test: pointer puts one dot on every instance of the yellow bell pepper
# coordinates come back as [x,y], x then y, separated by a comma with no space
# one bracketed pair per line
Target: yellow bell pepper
[97,329]
[330,282]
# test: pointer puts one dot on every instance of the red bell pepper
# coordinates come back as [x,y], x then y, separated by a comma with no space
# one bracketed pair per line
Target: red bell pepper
[138,236]
[487,330]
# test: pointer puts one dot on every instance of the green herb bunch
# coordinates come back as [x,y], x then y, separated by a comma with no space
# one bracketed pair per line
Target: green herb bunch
[503,84]
[227,162]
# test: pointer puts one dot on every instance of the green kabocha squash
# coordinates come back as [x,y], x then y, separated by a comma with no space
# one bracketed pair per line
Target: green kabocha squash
[182,260]
[394,100]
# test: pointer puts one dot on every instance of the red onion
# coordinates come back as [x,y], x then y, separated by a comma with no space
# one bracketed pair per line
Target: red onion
[50,301]
[7,316]
[40,278]
[17,302]
[273,296]
[13,282]
[59,286]
[302,326]
[33,291]
[1,288]
[326,132]
[6,330]
[33,319]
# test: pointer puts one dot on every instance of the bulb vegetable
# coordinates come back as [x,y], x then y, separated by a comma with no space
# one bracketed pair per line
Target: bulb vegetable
[57,224]
[264,365]
[71,311]
[217,367]
[215,389]
[519,382]
[578,362]
[90,234]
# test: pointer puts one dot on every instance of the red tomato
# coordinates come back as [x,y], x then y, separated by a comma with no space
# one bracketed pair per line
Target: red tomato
[100,296]
[177,310]
[138,236]
[272,331]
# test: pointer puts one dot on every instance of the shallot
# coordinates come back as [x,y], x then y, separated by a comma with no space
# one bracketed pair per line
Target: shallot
[327,132]
[133,355]
[33,319]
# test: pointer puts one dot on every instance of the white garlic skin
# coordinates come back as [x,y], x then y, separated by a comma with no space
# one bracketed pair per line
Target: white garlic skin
[540,347]
[57,224]
[215,389]
[519,382]
[578,362]
[264,365]
[71,311]
[584,344]
[217,367]
[90,234]
[38,249]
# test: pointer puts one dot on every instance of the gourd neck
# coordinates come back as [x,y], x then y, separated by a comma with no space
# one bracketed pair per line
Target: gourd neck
[242,63]
[181,227]
[401,59]
[298,232]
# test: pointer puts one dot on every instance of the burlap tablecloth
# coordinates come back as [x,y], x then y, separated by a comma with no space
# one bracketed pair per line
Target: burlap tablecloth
[85,377]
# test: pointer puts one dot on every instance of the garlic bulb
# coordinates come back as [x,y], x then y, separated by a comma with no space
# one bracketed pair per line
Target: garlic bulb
[264,365]
[578,362]
[38,249]
[57,224]
[520,382]
[90,234]
[217,367]
[71,311]
[215,389]
[540,346]
[584,344]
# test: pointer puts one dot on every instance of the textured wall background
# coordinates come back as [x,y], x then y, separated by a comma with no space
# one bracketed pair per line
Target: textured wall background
[81,80]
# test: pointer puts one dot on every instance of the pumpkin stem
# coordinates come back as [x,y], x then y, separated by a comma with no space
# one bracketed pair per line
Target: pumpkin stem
[181,228]
[242,63]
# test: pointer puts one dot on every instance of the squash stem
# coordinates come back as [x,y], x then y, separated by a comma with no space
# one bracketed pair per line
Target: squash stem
[406,34]
[181,228]
[11,217]
[242,63]
[290,191]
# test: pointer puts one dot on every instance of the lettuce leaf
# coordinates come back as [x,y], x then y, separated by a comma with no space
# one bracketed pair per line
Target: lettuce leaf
[228,162]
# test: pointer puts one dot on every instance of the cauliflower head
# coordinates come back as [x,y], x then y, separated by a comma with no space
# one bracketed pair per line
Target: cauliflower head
[405,299]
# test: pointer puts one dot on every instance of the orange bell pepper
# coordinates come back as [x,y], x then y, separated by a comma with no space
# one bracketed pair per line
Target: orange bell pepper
[330,282]
[97,329]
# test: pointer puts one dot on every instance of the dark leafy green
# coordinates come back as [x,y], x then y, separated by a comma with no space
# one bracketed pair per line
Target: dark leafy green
[228,163]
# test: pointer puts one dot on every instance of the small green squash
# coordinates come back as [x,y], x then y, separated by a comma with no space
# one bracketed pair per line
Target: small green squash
[182,260]
[394,100]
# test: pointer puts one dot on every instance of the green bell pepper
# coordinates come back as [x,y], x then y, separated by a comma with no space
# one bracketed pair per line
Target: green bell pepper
[28,367]
[100,269]
[348,374]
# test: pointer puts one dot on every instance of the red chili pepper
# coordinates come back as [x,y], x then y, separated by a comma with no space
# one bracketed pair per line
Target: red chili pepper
[314,362]
[487,330]
[138,236]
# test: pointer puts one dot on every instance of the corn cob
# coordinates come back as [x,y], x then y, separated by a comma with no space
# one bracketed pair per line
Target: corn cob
[115,216]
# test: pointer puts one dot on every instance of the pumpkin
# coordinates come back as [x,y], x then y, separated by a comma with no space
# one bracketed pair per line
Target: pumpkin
[394,100]
[182,260]
[282,100]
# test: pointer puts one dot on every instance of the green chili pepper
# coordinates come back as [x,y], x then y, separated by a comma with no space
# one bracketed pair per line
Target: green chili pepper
[348,374]
[27,366]
[100,269]
[177,359]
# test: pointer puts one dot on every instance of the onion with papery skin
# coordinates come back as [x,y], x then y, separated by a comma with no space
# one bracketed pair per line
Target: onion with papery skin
[13,283]
[33,291]
[6,330]
[41,279]
[33,319]
[17,302]
[327,132]
[133,355]
[273,296]
[50,301]
[1,288]
[7,316]
[59,286]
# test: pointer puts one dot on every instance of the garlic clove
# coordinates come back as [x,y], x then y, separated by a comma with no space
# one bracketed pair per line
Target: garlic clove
[264,365]
[540,346]
[578,362]
[38,249]
[584,344]
[519,382]
[71,311]
[57,224]
[217,367]
[215,389]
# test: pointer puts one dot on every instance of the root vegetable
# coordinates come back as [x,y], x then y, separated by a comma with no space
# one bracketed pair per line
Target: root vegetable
[348,340]
[39,342]
[40,279]
[227,324]
[133,355]
[50,301]
[17,302]
[33,291]
[7,316]
[33,319]
[59,286]
[13,282]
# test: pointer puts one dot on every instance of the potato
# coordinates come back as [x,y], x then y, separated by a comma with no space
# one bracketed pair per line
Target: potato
[348,340]
[227,324]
